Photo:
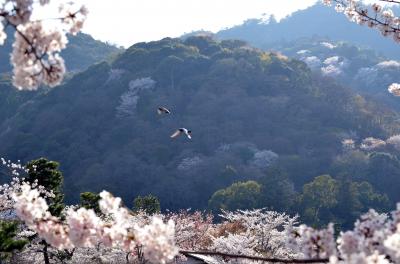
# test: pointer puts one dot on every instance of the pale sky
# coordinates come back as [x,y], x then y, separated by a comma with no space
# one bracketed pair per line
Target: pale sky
[125,22]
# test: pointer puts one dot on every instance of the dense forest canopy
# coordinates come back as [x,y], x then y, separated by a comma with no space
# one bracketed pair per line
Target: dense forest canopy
[254,115]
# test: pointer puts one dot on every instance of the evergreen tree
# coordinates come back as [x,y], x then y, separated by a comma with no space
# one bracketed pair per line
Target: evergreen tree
[47,174]
[8,243]
[240,195]
[149,203]
[90,200]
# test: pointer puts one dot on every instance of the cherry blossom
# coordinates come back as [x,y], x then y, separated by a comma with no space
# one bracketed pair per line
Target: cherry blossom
[83,228]
[7,190]
[36,51]
[371,143]
[374,16]
[394,141]
[348,144]
[394,89]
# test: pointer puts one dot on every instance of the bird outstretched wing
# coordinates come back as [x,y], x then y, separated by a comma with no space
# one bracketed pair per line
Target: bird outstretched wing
[177,133]
[163,110]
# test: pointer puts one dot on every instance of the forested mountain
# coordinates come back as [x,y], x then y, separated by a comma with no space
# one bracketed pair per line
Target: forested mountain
[330,44]
[81,52]
[318,20]
[254,115]
[359,68]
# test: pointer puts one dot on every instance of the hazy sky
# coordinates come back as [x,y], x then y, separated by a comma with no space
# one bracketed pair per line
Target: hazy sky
[126,22]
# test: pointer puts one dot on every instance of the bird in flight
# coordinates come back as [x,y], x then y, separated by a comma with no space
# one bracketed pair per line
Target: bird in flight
[180,131]
[162,110]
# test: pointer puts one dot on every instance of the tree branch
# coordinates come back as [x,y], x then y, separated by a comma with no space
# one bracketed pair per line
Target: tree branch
[391,1]
[374,19]
[236,256]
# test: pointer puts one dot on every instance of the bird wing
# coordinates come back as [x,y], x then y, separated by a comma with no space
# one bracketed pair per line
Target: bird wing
[177,133]
[163,110]
[189,136]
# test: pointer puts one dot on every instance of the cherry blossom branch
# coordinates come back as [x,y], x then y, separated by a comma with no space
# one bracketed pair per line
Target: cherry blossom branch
[32,49]
[83,228]
[17,171]
[36,52]
[383,19]
[237,256]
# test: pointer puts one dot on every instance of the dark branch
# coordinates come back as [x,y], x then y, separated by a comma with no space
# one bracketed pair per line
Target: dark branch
[391,1]
[235,256]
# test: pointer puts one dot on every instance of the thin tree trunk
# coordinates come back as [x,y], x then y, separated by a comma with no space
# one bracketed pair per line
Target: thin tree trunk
[45,253]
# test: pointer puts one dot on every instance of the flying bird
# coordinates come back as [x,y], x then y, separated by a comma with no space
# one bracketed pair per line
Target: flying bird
[180,131]
[163,110]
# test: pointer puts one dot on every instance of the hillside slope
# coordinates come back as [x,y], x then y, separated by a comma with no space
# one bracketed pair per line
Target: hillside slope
[362,69]
[247,109]
[82,51]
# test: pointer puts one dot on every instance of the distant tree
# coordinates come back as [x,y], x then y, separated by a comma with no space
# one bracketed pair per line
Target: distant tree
[46,174]
[90,200]
[8,242]
[318,197]
[383,173]
[369,198]
[149,203]
[341,200]
[277,191]
[240,195]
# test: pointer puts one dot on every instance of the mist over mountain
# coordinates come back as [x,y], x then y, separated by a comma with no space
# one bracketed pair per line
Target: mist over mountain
[318,20]
[254,116]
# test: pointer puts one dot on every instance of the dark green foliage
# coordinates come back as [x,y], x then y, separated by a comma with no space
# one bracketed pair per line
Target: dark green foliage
[82,51]
[90,200]
[8,242]
[239,102]
[277,191]
[149,203]
[240,195]
[319,197]
[47,174]
[10,98]
[339,200]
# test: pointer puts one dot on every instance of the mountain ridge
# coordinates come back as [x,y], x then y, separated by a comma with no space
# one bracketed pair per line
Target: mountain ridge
[317,20]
